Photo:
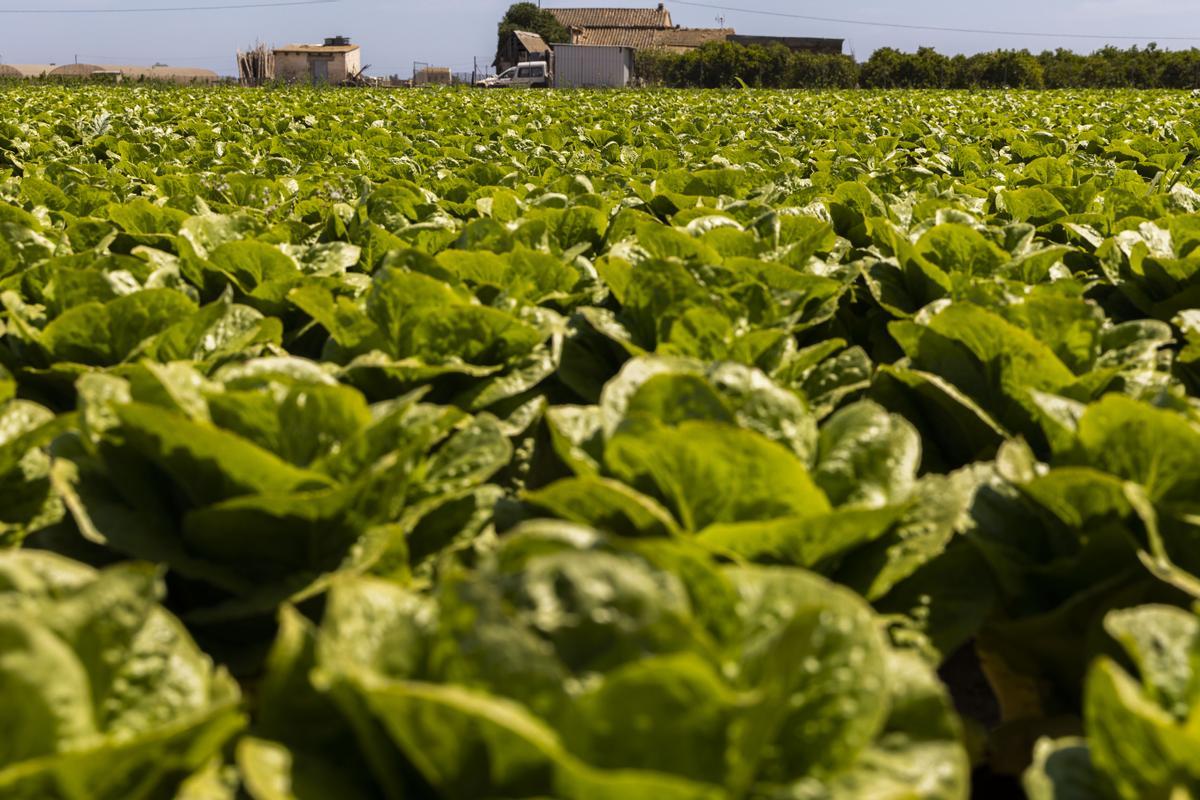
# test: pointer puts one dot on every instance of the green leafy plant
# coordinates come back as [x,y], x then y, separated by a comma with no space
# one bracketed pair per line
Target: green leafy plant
[106,695]
[661,444]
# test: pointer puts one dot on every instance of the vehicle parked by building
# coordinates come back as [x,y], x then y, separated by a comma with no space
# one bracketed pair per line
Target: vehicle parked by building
[526,75]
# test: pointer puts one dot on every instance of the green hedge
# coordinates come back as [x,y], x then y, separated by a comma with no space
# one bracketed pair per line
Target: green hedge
[725,64]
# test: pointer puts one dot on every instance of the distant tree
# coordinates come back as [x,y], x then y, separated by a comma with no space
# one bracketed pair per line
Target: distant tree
[528,17]
[729,65]
[883,69]
[888,68]
[1005,69]
[1064,69]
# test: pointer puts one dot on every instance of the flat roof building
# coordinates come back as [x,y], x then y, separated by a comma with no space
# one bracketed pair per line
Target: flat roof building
[335,61]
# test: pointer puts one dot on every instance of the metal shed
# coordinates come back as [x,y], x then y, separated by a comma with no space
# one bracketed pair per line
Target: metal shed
[579,66]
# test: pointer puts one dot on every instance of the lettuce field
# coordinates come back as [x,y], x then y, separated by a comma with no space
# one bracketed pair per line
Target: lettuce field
[626,446]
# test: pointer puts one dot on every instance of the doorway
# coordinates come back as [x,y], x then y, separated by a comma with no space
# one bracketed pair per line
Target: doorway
[319,69]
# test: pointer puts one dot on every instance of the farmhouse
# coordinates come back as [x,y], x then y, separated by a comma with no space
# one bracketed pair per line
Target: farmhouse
[335,61]
[653,29]
[639,28]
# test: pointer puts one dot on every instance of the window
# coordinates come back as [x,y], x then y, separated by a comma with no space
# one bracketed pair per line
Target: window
[525,72]
[539,71]
[508,73]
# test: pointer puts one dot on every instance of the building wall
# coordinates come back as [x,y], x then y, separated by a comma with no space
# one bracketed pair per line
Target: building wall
[296,67]
[292,67]
[351,64]
[433,76]
[580,66]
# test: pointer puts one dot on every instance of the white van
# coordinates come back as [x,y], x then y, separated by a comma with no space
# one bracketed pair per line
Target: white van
[526,75]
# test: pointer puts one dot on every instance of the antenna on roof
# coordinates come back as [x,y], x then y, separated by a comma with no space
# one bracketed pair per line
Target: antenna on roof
[721,21]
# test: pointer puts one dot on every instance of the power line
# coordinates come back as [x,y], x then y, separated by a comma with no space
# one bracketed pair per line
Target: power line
[937,28]
[160,9]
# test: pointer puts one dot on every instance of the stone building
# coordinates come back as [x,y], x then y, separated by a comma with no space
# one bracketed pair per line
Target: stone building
[333,62]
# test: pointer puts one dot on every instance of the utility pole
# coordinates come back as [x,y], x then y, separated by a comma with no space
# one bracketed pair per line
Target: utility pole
[474,69]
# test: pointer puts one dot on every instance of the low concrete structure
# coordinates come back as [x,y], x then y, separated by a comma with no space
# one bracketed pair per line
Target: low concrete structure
[333,62]
[432,76]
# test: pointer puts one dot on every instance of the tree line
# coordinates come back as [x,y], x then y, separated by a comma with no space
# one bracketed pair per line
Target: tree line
[725,64]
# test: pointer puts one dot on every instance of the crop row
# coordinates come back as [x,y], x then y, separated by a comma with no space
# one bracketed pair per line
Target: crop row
[634,445]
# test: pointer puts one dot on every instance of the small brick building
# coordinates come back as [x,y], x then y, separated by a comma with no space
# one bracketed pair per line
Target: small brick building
[332,62]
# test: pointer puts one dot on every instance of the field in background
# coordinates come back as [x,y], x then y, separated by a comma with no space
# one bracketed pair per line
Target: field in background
[598,445]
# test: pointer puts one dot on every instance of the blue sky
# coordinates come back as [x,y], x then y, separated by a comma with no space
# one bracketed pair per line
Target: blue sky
[396,33]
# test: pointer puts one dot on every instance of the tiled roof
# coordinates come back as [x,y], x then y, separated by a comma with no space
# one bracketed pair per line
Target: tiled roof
[638,38]
[10,72]
[613,17]
[650,39]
